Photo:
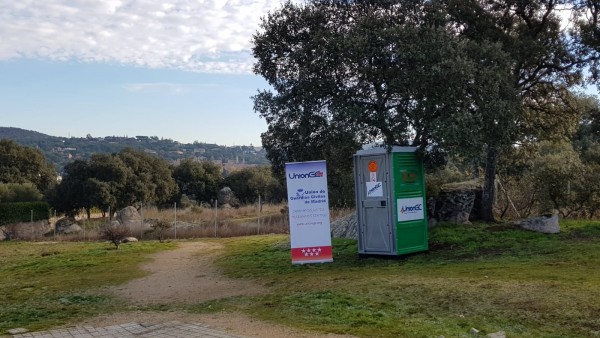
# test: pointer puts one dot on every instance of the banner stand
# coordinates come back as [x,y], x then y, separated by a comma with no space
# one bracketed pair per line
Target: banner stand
[308,203]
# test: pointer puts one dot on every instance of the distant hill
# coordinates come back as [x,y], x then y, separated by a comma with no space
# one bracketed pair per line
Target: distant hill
[62,150]
[22,134]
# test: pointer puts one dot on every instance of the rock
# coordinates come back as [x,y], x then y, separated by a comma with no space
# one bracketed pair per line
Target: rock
[544,224]
[17,330]
[454,204]
[473,331]
[129,239]
[345,227]
[499,334]
[115,223]
[129,214]
[477,204]
[129,217]
[225,196]
[67,225]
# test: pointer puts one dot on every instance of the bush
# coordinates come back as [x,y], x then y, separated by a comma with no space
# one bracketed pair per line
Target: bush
[19,192]
[197,209]
[21,212]
[9,231]
[184,202]
[160,227]
[435,180]
[114,234]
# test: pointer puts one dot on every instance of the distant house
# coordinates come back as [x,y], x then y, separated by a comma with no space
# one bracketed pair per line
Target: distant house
[62,150]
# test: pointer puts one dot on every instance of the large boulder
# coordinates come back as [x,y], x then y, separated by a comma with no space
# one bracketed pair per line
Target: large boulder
[225,197]
[130,218]
[545,224]
[128,215]
[67,225]
[454,204]
[345,227]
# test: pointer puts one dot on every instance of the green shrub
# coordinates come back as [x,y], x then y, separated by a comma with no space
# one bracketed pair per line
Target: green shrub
[435,180]
[22,211]
[19,192]
[160,227]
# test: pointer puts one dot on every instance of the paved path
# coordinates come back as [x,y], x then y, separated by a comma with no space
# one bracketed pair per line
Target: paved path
[166,330]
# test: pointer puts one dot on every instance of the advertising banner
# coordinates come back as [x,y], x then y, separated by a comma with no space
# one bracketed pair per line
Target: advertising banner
[410,209]
[308,203]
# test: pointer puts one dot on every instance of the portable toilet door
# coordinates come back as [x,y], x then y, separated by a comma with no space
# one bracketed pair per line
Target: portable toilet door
[390,201]
[373,184]
[410,201]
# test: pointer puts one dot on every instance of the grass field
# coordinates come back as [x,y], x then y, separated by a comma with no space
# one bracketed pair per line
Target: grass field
[48,284]
[493,278]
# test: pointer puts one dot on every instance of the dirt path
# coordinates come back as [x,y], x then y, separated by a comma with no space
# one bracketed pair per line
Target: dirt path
[187,275]
[184,275]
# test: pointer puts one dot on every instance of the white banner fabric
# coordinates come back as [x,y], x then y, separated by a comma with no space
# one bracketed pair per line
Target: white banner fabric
[308,202]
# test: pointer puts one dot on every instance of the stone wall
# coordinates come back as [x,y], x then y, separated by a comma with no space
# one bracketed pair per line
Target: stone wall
[455,203]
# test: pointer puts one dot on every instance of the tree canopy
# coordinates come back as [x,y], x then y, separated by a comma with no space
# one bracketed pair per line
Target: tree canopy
[19,192]
[247,184]
[198,180]
[20,164]
[460,76]
[114,181]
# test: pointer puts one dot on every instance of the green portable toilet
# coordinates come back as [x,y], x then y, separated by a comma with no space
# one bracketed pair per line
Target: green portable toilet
[390,201]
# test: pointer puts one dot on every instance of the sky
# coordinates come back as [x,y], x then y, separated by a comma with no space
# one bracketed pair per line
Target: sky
[178,69]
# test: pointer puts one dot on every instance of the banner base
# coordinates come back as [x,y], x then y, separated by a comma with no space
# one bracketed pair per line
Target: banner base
[314,254]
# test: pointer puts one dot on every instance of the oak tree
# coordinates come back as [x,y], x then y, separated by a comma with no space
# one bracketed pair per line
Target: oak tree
[21,164]
[457,76]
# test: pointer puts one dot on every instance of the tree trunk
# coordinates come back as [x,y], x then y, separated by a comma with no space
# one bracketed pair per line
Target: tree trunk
[487,197]
[475,166]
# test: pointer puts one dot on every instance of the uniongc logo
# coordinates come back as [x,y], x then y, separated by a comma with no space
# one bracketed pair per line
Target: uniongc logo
[306,175]
[414,208]
[372,190]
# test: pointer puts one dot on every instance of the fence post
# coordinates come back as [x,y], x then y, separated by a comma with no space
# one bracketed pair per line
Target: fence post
[55,221]
[142,220]
[175,205]
[216,214]
[84,211]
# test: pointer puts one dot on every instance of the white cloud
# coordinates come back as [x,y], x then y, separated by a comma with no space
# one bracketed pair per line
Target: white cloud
[165,87]
[193,35]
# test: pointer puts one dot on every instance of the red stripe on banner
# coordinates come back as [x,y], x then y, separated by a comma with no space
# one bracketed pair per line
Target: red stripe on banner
[312,254]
